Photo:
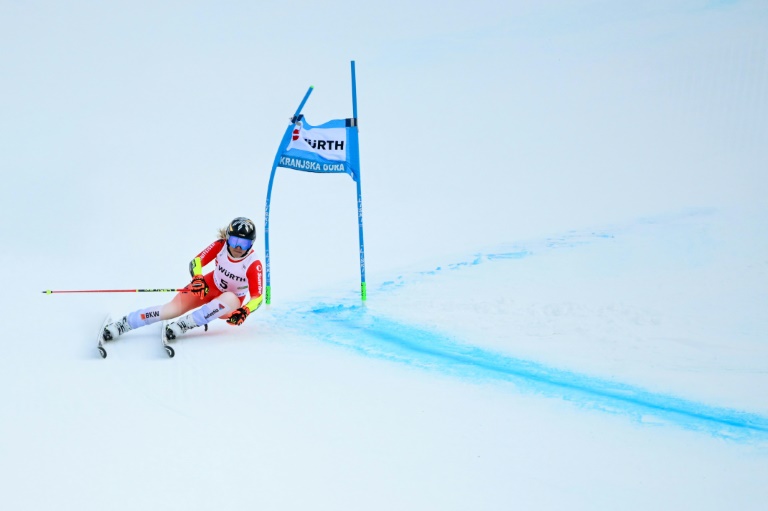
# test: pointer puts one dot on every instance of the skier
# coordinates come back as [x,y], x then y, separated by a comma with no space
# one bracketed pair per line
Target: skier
[217,294]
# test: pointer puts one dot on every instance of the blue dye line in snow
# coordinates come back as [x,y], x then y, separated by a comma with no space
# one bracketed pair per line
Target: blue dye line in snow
[354,328]
[476,260]
[572,239]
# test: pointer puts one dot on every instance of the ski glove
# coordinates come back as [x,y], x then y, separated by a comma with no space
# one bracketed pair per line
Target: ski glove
[238,316]
[198,287]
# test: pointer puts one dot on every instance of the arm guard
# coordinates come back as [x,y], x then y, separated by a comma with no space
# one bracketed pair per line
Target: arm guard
[254,304]
[195,267]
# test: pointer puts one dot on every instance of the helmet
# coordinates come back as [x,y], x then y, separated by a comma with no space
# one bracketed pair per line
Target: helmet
[242,228]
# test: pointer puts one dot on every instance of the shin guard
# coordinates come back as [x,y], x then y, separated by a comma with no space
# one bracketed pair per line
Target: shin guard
[144,317]
[210,311]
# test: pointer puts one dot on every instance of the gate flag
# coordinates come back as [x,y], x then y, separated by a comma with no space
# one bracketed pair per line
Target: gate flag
[328,148]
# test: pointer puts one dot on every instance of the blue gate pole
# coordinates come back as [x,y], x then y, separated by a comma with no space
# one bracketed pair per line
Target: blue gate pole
[280,150]
[363,291]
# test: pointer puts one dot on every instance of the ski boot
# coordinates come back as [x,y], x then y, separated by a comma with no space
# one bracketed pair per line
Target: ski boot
[179,327]
[114,330]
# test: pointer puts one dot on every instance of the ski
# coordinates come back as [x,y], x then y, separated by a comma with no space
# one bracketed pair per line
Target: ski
[168,349]
[102,350]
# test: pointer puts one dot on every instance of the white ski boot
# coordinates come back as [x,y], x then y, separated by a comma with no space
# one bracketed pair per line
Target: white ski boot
[179,327]
[114,330]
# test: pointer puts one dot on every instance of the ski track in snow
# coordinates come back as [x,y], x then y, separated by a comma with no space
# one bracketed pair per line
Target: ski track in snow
[354,327]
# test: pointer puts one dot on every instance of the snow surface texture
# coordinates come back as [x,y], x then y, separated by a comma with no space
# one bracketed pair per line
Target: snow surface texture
[566,249]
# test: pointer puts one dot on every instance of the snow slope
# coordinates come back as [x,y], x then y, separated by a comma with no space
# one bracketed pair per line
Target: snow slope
[495,379]
[565,244]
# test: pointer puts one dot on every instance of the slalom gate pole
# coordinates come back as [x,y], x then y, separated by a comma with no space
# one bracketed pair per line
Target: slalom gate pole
[50,292]
[363,291]
[283,145]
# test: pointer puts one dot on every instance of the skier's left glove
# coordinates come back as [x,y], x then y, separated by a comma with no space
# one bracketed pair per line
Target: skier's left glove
[238,316]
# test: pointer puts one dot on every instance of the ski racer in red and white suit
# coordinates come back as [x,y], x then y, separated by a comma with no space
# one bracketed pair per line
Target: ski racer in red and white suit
[220,293]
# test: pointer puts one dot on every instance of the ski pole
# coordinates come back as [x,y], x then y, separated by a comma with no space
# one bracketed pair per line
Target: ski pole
[48,292]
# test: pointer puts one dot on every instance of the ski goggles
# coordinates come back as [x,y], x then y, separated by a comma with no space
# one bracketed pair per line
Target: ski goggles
[238,242]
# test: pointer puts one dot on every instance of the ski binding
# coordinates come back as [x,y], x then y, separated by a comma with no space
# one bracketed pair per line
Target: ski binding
[102,350]
[168,349]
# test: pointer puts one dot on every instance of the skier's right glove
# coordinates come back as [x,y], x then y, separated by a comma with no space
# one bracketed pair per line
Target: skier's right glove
[198,287]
